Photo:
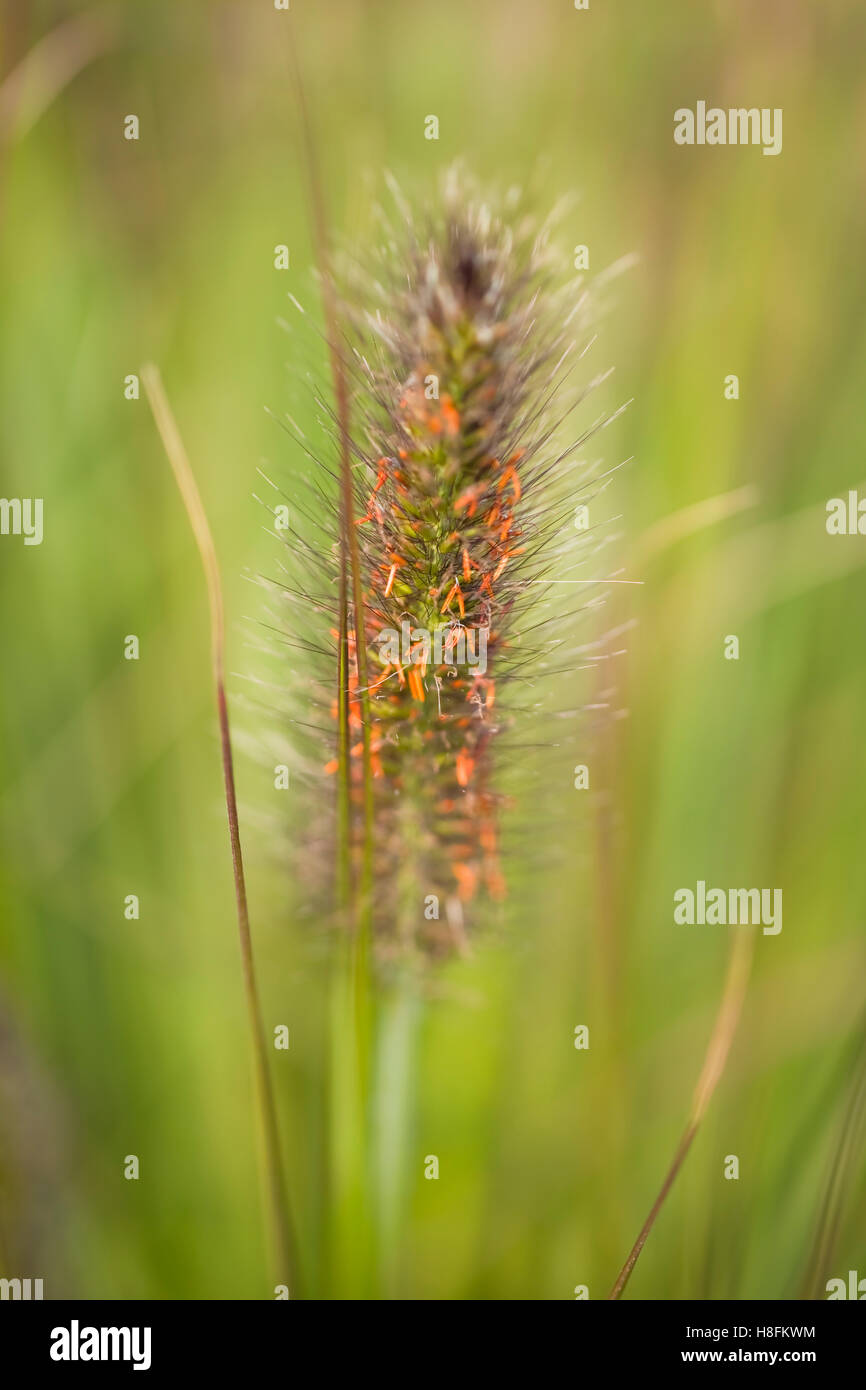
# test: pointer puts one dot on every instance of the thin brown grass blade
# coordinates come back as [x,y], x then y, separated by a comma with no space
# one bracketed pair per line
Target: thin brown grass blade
[716,1057]
[286,1264]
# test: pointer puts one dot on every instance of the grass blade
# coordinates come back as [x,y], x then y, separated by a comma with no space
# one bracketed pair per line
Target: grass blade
[716,1057]
[286,1265]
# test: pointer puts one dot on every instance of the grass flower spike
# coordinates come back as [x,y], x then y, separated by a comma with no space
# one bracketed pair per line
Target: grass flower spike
[459,348]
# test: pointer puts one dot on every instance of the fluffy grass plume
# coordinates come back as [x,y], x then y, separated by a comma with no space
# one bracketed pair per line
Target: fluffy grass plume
[460,341]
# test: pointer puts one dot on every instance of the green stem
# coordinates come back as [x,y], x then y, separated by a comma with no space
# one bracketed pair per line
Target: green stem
[351,1254]
[394,1095]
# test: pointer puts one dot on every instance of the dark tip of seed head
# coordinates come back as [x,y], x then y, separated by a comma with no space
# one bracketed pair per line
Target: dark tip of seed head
[466,274]
[467,271]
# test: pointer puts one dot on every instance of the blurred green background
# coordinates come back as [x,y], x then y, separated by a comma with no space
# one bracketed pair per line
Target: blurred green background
[126,1037]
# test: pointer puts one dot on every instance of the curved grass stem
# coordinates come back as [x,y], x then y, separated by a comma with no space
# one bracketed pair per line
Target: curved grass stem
[283,1237]
[722,1036]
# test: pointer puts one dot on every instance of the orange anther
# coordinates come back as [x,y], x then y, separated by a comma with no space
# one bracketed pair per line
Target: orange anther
[468,498]
[416,685]
[466,877]
[382,474]
[455,589]
[510,474]
[465,767]
[450,414]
